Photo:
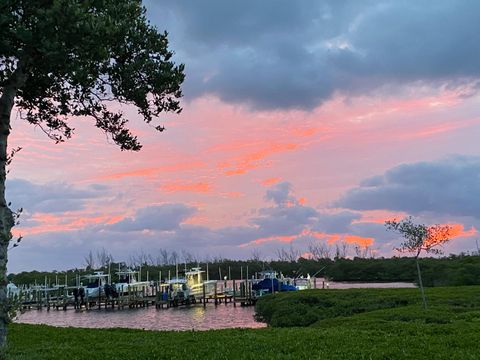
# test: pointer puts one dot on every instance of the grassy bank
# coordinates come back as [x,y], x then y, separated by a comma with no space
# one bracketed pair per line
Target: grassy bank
[356,324]
[308,307]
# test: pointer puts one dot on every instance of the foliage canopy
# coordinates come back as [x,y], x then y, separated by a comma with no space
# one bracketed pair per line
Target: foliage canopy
[77,57]
[420,237]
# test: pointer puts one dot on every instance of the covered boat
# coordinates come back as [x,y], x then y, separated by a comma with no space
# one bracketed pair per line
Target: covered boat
[270,282]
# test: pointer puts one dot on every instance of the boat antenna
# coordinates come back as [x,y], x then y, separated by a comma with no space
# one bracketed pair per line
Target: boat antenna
[318,271]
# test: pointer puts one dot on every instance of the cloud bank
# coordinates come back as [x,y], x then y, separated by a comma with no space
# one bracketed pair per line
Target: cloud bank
[283,54]
[448,187]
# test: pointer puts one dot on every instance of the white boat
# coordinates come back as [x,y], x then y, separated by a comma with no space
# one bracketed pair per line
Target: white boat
[128,282]
[176,290]
[189,288]
[195,282]
[12,290]
[96,284]
[303,283]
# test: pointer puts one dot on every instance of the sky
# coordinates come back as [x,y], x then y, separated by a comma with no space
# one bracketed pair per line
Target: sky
[303,123]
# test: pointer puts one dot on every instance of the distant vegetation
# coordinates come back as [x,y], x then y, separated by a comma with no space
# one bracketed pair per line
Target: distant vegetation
[453,270]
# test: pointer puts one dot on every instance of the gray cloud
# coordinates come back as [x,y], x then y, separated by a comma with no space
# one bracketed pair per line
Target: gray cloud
[51,197]
[446,187]
[282,54]
[284,220]
[164,217]
[280,193]
[335,223]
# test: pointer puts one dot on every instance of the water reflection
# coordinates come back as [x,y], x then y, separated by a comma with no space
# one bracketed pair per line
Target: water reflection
[182,318]
[354,285]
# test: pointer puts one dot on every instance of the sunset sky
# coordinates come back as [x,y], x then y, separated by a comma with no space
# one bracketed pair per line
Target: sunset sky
[308,121]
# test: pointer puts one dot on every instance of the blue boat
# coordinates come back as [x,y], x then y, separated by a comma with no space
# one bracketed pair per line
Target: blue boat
[271,283]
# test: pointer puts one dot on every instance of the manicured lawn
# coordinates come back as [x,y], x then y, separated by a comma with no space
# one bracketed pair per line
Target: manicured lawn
[397,328]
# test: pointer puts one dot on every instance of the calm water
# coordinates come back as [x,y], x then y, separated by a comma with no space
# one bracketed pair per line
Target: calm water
[183,318]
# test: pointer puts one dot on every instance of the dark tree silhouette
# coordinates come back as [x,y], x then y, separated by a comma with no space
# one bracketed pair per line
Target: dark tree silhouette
[65,58]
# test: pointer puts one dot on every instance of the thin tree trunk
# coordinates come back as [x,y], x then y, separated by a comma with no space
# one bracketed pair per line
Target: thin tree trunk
[7,221]
[420,283]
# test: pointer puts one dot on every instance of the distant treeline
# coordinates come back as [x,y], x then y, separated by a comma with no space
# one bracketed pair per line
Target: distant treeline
[451,270]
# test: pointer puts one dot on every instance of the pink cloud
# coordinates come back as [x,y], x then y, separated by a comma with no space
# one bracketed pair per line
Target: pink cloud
[270,181]
[149,172]
[244,163]
[63,223]
[196,187]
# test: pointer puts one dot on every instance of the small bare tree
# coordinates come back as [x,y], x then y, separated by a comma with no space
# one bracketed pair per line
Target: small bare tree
[341,250]
[174,258]
[187,257]
[143,258]
[363,252]
[132,261]
[291,254]
[256,255]
[418,238]
[319,250]
[151,260]
[104,258]
[89,261]
[163,257]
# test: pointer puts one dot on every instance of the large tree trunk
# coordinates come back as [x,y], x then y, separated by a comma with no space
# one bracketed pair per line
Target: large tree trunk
[6,215]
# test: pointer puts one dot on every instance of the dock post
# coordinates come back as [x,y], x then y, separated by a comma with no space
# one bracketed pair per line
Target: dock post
[216,303]
[234,294]
[65,297]
[225,295]
[249,287]
[314,282]
[204,295]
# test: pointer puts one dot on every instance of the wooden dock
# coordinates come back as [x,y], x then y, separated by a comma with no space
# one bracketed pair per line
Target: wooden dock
[61,298]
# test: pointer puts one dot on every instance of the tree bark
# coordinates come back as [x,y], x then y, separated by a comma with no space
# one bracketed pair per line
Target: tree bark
[7,220]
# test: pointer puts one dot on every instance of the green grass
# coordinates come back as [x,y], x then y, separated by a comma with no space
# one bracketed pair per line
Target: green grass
[308,307]
[352,324]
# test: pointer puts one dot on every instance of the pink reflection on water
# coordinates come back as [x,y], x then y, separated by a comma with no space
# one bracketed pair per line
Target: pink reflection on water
[183,318]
